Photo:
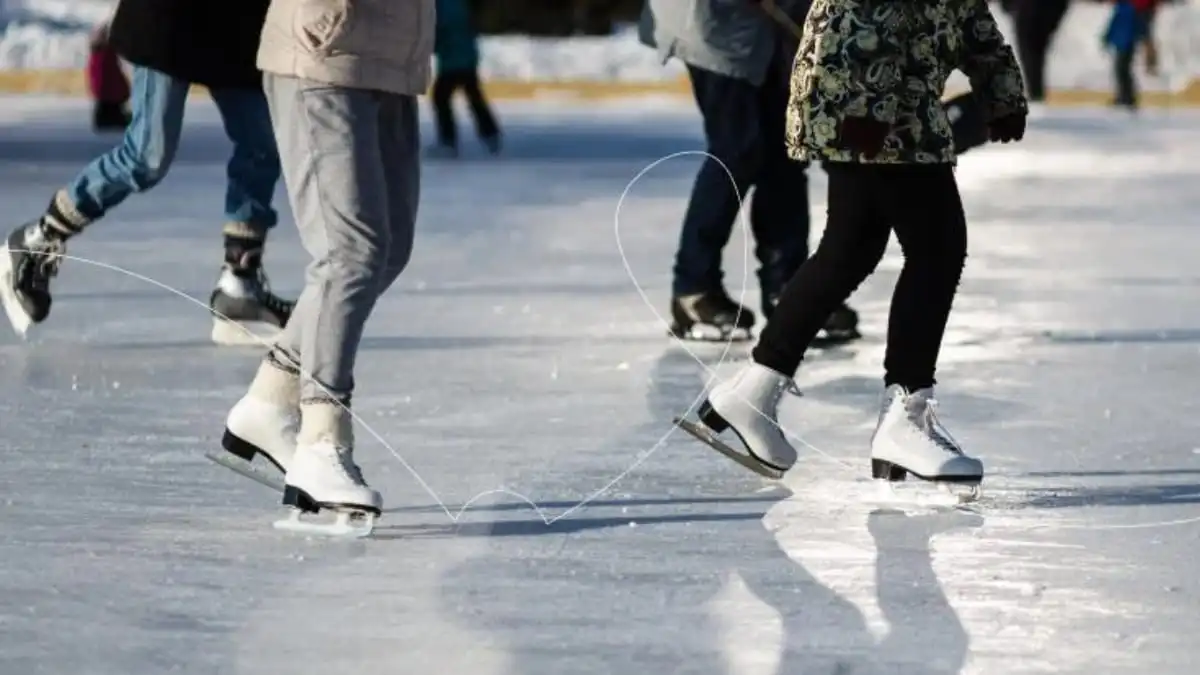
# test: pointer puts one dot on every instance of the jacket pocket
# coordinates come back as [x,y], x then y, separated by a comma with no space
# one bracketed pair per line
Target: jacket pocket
[321,26]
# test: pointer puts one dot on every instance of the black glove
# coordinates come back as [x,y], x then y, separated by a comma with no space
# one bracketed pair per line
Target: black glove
[1008,128]
[863,135]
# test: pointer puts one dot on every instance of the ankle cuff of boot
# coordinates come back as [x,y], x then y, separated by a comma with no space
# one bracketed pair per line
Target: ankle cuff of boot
[62,217]
[325,420]
[276,385]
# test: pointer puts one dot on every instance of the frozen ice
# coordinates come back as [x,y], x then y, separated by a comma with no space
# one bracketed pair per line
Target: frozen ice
[1070,367]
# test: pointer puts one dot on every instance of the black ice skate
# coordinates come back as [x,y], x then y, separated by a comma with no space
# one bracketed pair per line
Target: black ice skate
[30,259]
[909,440]
[841,327]
[710,317]
[245,311]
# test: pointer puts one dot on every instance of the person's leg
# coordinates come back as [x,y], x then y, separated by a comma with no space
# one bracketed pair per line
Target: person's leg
[441,98]
[146,151]
[485,121]
[701,309]
[34,251]
[400,139]
[779,216]
[253,169]
[244,308]
[329,143]
[855,237]
[1126,84]
[1031,49]
[923,205]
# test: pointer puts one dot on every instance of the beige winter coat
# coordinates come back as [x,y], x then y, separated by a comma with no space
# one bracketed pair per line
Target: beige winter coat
[384,45]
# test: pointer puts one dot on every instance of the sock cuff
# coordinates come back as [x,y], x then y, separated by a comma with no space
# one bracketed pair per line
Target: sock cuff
[63,217]
[241,229]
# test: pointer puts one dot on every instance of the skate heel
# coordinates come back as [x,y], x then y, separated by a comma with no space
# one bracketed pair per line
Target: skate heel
[299,499]
[882,469]
[238,447]
[712,419]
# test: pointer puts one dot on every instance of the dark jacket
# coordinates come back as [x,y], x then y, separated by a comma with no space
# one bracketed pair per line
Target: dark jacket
[455,43]
[889,62]
[208,42]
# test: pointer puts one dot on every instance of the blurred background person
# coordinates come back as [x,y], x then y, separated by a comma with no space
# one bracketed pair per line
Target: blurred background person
[456,51]
[1129,27]
[1036,23]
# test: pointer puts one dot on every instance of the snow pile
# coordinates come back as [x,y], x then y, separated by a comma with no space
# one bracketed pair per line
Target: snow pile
[52,34]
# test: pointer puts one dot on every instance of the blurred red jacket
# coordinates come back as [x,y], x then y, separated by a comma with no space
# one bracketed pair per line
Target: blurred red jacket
[106,81]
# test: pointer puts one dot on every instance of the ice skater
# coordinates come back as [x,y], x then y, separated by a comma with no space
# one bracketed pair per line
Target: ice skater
[172,45]
[457,50]
[1129,27]
[865,101]
[738,60]
[342,87]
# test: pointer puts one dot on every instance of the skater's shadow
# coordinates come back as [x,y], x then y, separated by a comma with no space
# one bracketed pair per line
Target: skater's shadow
[698,583]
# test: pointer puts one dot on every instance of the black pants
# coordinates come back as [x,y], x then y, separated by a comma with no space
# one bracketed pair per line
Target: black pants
[1036,21]
[1126,94]
[744,128]
[444,86]
[920,203]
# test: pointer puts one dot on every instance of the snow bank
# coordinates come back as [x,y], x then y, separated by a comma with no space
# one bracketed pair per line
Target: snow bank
[52,34]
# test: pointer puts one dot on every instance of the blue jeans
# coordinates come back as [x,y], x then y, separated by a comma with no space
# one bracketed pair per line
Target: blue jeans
[148,148]
[744,127]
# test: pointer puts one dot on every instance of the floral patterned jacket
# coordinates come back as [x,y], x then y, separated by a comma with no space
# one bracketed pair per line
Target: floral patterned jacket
[889,60]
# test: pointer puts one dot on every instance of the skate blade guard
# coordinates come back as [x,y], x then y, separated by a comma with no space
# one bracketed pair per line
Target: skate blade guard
[228,333]
[12,304]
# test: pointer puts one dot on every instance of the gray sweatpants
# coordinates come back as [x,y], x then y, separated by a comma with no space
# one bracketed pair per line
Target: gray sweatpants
[351,162]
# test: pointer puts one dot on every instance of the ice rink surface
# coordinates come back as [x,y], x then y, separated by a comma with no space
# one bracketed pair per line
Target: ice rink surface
[516,357]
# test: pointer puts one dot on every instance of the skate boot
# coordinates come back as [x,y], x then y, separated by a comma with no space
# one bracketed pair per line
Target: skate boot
[840,327]
[710,317]
[245,311]
[264,423]
[31,258]
[909,439]
[748,405]
[323,476]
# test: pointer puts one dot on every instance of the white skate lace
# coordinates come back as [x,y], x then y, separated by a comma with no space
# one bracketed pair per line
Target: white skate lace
[271,301]
[346,464]
[45,257]
[936,431]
